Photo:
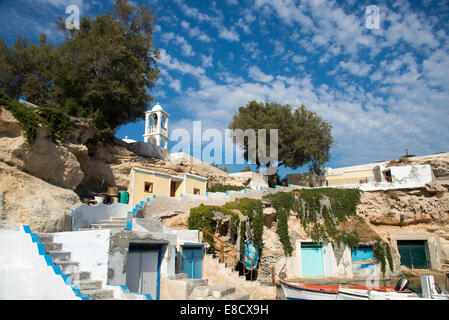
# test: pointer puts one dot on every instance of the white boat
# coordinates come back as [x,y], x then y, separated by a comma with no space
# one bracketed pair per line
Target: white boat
[298,291]
[358,294]
[430,291]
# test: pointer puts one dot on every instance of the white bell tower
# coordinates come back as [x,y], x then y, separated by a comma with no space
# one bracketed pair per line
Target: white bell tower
[156,126]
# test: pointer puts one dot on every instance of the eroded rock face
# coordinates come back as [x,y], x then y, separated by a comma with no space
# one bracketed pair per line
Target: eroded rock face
[80,164]
[32,201]
[47,160]
[402,208]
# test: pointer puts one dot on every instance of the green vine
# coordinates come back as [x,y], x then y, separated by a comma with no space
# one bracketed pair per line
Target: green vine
[205,217]
[382,252]
[320,212]
[30,119]
[283,202]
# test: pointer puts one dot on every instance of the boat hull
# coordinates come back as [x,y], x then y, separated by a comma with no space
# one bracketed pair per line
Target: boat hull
[305,292]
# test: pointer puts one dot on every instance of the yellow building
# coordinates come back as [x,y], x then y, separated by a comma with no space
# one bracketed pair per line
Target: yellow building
[350,177]
[359,174]
[145,183]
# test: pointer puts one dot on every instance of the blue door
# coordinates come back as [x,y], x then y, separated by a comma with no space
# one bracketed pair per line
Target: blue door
[312,260]
[192,258]
[362,260]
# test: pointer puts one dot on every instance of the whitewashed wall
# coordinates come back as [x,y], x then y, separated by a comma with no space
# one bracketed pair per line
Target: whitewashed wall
[84,215]
[89,248]
[24,274]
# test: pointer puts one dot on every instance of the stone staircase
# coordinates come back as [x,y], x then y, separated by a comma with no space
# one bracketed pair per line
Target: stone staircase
[183,288]
[222,275]
[93,289]
[113,223]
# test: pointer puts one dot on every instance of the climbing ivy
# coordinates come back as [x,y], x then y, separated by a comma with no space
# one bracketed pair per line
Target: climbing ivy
[253,210]
[381,251]
[31,118]
[283,202]
[320,212]
[205,217]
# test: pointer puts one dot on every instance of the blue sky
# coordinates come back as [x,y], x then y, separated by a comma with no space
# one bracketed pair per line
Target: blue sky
[382,90]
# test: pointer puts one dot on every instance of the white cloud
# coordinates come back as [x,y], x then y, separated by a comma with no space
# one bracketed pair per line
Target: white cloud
[176,85]
[228,34]
[252,48]
[256,74]
[174,64]
[186,48]
[207,61]
[195,32]
[356,68]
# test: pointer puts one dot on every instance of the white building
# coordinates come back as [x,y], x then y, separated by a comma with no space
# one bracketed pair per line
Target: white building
[156,126]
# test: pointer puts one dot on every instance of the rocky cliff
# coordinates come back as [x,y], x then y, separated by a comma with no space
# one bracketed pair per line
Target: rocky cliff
[418,211]
[39,184]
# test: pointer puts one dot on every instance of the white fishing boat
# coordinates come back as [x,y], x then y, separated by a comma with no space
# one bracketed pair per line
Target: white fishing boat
[430,291]
[298,291]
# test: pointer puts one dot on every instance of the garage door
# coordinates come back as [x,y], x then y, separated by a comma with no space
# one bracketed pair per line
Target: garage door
[312,260]
[142,269]
[413,253]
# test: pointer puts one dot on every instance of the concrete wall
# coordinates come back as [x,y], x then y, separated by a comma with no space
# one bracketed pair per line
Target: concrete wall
[403,177]
[24,273]
[84,215]
[89,248]
[336,263]
[153,225]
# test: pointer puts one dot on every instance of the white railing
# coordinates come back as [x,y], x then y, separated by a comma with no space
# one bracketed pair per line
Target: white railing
[154,129]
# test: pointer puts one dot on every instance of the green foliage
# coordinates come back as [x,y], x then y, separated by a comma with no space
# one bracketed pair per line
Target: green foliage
[31,118]
[379,254]
[283,202]
[320,211]
[253,209]
[382,252]
[103,71]
[242,236]
[303,137]
[389,256]
[59,123]
[203,216]
[223,188]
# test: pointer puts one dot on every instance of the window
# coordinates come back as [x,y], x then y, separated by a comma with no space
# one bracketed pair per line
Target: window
[196,191]
[148,187]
